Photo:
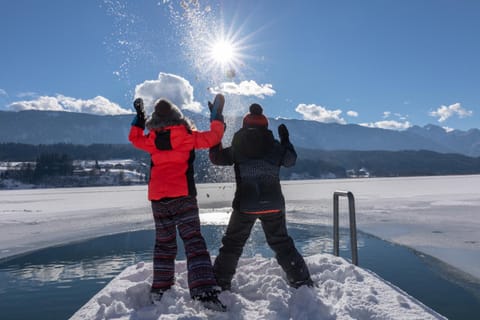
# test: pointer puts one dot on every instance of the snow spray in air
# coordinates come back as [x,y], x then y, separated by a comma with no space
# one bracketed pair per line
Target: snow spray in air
[192,35]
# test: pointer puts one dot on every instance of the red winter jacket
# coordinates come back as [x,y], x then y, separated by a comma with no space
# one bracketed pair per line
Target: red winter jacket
[172,153]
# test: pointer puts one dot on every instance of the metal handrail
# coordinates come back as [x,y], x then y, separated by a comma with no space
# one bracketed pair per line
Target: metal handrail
[353,225]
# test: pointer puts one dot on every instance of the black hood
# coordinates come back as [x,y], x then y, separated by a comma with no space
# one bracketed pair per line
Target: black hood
[253,143]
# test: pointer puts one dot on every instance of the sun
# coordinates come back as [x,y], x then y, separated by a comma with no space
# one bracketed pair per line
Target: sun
[223,52]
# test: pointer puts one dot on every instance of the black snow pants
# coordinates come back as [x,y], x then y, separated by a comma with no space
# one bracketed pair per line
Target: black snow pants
[274,226]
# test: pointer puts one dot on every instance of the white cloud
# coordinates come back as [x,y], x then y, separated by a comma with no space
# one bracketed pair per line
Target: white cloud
[352,113]
[282,118]
[3,93]
[448,129]
[244,88]
[388,124]
[444,112]
[98,105]
[319,113]
[399,116]
[169,86]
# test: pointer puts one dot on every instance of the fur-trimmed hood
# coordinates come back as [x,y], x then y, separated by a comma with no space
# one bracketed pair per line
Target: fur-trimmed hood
[167,114]
[155,124]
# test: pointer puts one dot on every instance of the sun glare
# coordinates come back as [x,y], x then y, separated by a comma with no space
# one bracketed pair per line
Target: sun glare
[223,52]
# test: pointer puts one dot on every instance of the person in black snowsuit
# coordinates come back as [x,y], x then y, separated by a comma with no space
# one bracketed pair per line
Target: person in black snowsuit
[257,158]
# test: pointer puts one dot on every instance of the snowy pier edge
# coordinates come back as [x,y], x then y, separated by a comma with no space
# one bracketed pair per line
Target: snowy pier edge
[259,291]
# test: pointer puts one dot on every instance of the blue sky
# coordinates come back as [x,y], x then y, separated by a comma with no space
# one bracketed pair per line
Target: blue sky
[384,63]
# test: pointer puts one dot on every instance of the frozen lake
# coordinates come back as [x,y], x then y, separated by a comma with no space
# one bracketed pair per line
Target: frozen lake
[439,216]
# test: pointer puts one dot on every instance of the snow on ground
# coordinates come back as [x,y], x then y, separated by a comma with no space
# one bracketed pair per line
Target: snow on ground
[439,216]
[31,219]
[259,291]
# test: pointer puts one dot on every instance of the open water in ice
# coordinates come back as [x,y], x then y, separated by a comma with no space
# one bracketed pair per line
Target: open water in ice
[57,281]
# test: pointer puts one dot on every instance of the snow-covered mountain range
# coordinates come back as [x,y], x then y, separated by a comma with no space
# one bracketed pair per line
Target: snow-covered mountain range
[48,127]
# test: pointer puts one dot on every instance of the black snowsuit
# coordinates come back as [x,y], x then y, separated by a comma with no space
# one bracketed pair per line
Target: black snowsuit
[257,158]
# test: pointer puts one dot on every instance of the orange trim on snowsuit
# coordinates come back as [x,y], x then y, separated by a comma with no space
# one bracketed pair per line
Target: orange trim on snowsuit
[262,212]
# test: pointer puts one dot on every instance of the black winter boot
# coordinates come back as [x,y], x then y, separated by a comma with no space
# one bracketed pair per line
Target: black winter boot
[210,301]
[297,271]
[297,284]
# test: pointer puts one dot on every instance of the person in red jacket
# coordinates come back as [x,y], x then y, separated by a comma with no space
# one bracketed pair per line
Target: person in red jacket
[171,141]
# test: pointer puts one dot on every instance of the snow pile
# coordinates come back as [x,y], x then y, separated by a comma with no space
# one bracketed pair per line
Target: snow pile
[259,291]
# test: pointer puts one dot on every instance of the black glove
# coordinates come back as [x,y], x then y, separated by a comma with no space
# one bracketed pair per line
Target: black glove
[283,134]
[216,108]
[138,105]
[140,118]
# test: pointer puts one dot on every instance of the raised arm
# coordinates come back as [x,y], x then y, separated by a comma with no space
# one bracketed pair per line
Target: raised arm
[207,139]
[220,156]
[290,155]
[136,135]
[217,125]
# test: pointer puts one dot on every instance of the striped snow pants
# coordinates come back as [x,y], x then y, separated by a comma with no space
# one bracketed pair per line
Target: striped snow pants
[182,214]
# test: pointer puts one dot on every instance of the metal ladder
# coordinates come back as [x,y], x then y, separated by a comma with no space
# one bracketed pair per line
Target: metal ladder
[353,225]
